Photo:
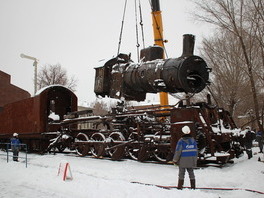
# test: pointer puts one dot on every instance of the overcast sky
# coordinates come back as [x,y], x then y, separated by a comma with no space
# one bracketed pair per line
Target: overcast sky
[79,33]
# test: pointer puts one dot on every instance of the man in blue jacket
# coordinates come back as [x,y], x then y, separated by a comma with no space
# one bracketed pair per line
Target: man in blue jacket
[186,157]
[15,145]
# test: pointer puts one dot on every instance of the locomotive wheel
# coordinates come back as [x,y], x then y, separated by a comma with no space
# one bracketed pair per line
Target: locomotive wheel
[81,149]
[133,149]
[161,152]
[115,136]
[98,148]
[61,148]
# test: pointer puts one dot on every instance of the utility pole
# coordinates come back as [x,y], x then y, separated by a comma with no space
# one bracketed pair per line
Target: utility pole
[35,64]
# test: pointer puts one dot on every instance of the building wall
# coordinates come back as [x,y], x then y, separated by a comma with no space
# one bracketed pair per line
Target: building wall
[10,93]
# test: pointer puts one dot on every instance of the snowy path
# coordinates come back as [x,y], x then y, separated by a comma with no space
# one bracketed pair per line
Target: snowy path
[106,178]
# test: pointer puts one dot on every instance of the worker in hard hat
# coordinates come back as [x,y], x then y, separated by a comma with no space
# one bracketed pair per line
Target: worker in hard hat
[186,157]
[15,146]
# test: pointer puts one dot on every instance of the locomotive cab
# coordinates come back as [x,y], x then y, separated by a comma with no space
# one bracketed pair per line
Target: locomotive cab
[57,101]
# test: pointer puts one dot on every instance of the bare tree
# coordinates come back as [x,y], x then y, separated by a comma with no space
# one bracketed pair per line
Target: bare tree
[55,74]
[229,84]
[235,17]
[100,107]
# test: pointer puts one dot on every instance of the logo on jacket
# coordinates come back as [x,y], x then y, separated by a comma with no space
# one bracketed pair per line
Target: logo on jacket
[190,146]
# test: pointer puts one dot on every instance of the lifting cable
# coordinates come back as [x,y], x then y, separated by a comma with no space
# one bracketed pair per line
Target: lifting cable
[141,24]
[122,26]
[158,28]
[138,45]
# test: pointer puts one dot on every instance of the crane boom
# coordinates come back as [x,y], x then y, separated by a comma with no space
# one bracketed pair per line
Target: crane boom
[158,39]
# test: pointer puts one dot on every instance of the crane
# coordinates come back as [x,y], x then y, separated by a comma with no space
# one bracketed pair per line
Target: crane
[158,39]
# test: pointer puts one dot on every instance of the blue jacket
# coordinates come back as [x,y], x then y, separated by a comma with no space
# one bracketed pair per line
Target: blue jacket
[15,142]
[186,152]
[259,136]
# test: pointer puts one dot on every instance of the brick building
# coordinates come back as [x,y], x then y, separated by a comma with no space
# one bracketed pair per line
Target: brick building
[8,92]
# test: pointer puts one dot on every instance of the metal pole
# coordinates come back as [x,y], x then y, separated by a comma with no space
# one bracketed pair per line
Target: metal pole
[7,153]
[35,64]
[35,76]
[26,155]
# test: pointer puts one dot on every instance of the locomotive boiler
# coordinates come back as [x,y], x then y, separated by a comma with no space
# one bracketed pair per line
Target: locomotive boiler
[121,78]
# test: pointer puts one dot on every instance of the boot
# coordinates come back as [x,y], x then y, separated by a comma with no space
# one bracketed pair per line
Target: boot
[192,181]
[180,183]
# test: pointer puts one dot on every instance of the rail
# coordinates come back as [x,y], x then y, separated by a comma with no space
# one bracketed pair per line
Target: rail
[7,148]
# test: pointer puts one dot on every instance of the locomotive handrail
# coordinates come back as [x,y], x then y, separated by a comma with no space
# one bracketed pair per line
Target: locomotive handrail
[74,120]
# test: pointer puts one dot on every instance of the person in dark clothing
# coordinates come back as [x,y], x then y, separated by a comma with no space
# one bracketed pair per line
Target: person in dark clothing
[248,139]
[186,157]
[259,139]
[15,146]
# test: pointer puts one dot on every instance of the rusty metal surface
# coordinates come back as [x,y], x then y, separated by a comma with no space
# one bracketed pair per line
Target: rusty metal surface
[29,117]
[143,134]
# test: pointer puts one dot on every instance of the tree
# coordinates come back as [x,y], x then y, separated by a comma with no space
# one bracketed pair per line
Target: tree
[229,84]
[55,74]
[100,107]
[244,20]
[103,107]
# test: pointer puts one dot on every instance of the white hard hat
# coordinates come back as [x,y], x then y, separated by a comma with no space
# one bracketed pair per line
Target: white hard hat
[186,130]
[15,134]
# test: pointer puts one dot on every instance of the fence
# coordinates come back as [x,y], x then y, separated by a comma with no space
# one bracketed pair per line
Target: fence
[9,153]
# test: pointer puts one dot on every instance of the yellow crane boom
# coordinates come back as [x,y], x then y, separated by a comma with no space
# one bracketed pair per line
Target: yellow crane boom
[158,39]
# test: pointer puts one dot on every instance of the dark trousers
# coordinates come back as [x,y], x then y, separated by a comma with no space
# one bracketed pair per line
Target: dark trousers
[182,173]
[15,154]
[260,143]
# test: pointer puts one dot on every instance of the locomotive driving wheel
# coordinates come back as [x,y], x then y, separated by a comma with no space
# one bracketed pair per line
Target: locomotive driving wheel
[115,136]
[133,149]
[162,147]
[81,149]
[98,145]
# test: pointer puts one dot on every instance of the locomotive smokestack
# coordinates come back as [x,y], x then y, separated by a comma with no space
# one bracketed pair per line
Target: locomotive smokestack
[188,45]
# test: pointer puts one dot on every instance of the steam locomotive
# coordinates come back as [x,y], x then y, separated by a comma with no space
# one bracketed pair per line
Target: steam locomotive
[50,120]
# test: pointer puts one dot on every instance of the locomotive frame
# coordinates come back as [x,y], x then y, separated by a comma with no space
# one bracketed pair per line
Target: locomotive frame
[143,134]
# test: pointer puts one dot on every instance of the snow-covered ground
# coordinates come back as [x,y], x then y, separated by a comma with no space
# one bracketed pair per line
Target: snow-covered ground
[106,178]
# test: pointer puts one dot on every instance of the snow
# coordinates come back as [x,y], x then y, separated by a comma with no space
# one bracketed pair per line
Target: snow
[54,116]
[105,178]
[47,87]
